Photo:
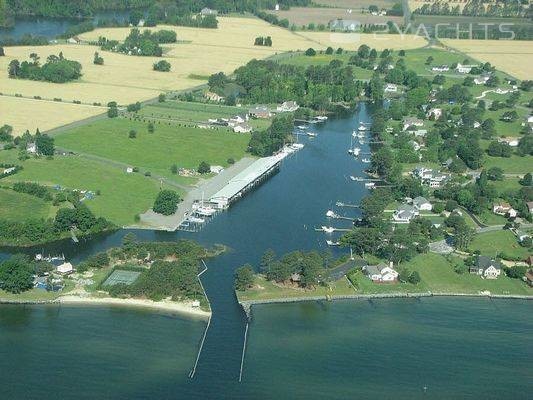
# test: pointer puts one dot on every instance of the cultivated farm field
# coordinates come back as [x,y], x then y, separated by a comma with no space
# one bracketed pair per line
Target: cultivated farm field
[351,4]
[514,57]
[352,41]
[127,79]
[305,15]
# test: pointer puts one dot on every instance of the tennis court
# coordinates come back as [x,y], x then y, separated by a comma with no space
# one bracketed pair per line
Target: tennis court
[121,276]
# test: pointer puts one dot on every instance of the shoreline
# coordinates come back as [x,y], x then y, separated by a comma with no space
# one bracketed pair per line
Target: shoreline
[182,308]
[247,304]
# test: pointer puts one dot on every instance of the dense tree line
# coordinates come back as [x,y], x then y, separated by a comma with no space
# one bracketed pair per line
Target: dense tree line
[475,8]
[265,143]
[146,43]
[56,69]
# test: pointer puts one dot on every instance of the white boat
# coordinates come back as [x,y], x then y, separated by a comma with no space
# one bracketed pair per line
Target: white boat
[331,214]
[311,134]
[332,243]
[362,128]
[321,118]
[354,133]
[355,151]
[205,211]
[328,229]
[361,135]
[302,127]
[370,185]
[353,178]
[297,146]
[196,220]
[366,160]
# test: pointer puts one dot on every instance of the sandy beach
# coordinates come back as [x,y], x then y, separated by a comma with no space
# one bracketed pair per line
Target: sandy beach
[184,308]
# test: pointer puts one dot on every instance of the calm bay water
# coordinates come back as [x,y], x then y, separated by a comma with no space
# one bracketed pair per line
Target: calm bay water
[388,349]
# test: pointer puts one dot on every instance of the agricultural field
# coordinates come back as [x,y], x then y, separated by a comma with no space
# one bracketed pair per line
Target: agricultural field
[302,16]
[492,243]
[350,4]
[352,41]
[16,206]
[437,275]
[514,57]
[155,152]
[125,79]
[121,196]
[44,114]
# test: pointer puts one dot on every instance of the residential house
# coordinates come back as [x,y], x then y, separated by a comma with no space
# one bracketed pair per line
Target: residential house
[260,112]
[65,268]
[434,113]
[344,25]
[381,273]
[528,277]
[422,204]
[411,122]
[74,40]
[486,267]
[236,120]
[208,11]
[511,141]
[464,69]
[391,88]
[420,132]
[242,128]
[288,106]
[212,96]
[505,209]
[432,178]
[481,80]
[405,213]
[31,148]
[440,68]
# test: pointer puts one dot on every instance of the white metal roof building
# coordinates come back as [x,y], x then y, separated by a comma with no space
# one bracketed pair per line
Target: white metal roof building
[245,180]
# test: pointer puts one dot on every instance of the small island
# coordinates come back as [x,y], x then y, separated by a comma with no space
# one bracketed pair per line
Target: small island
[160,275]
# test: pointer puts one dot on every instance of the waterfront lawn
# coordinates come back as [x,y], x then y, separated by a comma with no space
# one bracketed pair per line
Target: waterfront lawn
[503,241]
[437,276]
[121,196]
[155,152]
[264,290]
[16,206]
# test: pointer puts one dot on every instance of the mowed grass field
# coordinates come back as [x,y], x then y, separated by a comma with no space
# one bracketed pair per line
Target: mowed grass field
[127,79]
[492,243]
[122,195]
[351,4]
[22,207]
[514,57]
[155,152]
[352,41]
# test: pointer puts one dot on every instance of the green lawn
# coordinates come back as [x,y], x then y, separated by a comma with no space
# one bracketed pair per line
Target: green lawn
[506,185]
[437,275]
[324,59]
[489,218]
[157,151]
[264,289]
[122,195]
[511,165]
[492,243]
[507,128]
[16,206]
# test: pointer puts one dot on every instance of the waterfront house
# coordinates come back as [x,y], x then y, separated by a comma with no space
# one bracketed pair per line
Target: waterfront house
[405,213]
[344,25]
[432,178]
[391,88]
[486,267]
[412,122]
[528,277]
[242,128]
[381,273]
[288,106]
[422,204]
[505,209]
[259,112]
[65,268]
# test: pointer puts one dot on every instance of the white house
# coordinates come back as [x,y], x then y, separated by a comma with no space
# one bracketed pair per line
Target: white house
[391,88]
[511,141]
[129,170]
[464,69]
[31,148]
[211,96]
[65,268]
[405,213]
[412,121]
[74,40]
[288,106]
[434,113]
[208,11]
[481,80]
[505,209]
[420,132]
[236,120]
[430,177]
[242,128]
[486,267]
[422,204]
[381,273]
[440,68]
